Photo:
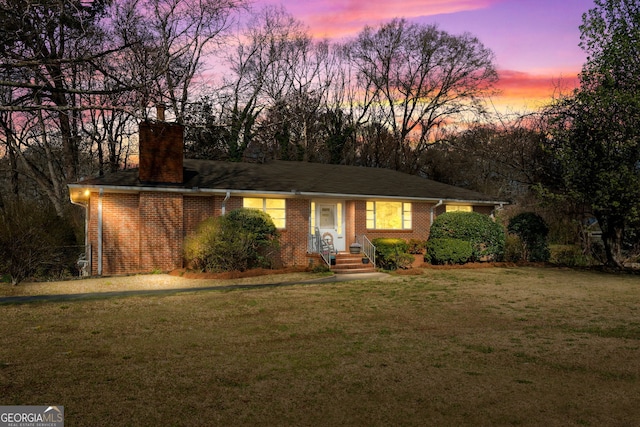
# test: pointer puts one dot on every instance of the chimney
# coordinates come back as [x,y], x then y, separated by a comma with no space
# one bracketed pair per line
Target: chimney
[160,112]
[161,151]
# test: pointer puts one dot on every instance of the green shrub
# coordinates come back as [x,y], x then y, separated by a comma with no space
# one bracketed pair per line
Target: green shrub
[416,246]
[392,254]
[240,240]
[35,242]
[513,248]
[487,237]
[532,231]
[449,251]
[568,255]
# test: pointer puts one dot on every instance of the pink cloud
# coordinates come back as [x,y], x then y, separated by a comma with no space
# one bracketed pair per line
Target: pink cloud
[339,18]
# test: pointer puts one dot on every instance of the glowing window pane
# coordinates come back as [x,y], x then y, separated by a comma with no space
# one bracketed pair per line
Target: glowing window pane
[279,222]
[389,215]
[275,203]
[253,203]
[312,221]
[459,208]
[406,216]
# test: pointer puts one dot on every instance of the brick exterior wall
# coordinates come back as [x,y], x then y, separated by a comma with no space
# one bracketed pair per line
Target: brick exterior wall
[485,210]
[293,239]
[161,235]
[145,232]
[120,233]
[196,209]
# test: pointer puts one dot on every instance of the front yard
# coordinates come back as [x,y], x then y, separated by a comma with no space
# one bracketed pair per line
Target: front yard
[492,346]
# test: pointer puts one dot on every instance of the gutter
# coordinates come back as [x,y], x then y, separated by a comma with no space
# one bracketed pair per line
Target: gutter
[87,251]
[293,193]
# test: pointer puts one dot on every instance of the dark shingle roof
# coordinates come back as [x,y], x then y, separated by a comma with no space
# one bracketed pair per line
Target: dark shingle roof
[298,177]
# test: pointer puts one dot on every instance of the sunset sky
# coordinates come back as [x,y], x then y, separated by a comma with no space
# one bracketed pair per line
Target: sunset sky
[535,41]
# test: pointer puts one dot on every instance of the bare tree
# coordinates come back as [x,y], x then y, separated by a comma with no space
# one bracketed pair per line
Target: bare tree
[77,74]
[419,79]
[274,65]
[170,40]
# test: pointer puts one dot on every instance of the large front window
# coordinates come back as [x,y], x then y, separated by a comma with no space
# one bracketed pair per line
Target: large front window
[389,215]
[276,208]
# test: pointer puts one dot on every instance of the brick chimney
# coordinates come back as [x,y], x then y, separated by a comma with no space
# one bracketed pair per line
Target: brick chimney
[161,150]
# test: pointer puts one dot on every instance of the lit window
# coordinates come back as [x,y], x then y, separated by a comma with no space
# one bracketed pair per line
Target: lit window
[276,208]
[312,220]
[389,215]
[459,208]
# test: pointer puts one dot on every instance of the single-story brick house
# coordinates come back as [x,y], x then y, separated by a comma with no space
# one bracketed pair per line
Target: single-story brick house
[137,219]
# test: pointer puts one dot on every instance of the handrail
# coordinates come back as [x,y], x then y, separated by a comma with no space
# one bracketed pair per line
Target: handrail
[367,248]
[317,245]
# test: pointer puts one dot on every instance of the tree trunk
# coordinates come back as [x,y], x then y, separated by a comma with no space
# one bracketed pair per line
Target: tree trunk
[612,233]
[13,161]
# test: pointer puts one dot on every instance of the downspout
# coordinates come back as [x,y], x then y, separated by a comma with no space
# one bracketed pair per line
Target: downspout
[496,209]
[100,196]
[87,252]
[433,209]
[224,202]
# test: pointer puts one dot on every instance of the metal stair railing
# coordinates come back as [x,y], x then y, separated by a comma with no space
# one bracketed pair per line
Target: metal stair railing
[317,245]
[367,248]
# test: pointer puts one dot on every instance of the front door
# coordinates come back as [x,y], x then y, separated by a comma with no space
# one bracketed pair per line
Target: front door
[331,223]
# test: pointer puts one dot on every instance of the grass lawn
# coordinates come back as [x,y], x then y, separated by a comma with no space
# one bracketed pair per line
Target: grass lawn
[493,346]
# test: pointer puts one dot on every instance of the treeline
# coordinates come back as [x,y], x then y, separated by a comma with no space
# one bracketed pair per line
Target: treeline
[76,77]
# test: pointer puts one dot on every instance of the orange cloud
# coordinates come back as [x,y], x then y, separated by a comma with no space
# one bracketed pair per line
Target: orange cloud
[520,90]
[339,18]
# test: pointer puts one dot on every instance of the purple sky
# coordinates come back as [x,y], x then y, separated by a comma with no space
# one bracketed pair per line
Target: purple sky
[535,41]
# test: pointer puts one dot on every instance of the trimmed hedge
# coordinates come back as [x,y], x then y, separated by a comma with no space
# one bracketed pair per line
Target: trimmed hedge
[487,238]
[449,251]
[240,240]
[392,254]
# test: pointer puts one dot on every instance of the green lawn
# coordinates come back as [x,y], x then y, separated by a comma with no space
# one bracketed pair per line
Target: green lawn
[494,346]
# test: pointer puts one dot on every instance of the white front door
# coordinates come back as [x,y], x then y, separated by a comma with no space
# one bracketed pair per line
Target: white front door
[330,220]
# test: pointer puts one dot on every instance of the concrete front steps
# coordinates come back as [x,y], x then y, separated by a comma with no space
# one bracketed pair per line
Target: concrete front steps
[347,263]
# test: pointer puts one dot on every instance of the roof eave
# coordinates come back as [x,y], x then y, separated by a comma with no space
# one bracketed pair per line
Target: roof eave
[285,194]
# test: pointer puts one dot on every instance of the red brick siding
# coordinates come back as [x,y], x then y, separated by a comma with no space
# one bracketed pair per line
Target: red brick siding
[120,231]
[196,209]
[231,204]
[161,233]
[350,222]
[485,210]
[294,238]
[161,151]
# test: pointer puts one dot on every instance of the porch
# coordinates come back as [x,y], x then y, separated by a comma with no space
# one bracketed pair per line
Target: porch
[359,259]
